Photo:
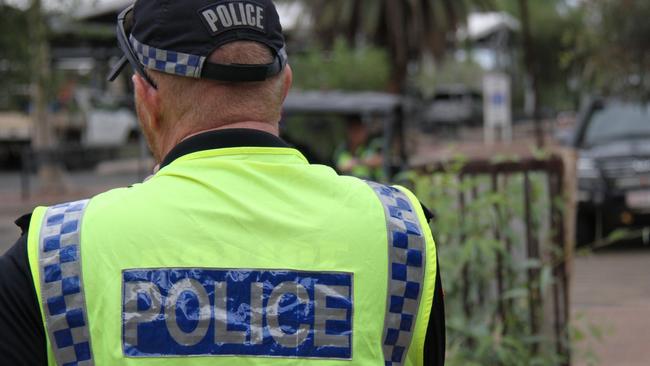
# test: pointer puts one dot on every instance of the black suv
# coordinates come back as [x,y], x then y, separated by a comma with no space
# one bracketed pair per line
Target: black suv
[613,141]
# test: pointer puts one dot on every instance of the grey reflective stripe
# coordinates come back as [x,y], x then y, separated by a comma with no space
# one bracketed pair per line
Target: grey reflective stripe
[62,293]
[406,265]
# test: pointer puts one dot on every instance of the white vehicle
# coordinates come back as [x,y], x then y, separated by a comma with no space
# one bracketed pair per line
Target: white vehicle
[109,121]
[453,106]
[93,126]
[15,135]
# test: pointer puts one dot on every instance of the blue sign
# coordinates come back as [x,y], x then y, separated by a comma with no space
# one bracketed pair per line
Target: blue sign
[498,99]
[199,312]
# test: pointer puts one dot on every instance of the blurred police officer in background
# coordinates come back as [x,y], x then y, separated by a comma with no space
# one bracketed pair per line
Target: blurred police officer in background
[236,251]
[360,155]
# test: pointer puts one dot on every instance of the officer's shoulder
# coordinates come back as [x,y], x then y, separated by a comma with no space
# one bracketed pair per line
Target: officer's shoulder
[117,197]
[24,221]
[428,214]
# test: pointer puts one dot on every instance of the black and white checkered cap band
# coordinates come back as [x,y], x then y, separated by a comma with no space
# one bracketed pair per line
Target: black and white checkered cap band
[170,62]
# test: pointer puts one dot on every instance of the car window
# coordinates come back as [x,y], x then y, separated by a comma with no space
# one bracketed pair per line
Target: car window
[618,121]
[441,97]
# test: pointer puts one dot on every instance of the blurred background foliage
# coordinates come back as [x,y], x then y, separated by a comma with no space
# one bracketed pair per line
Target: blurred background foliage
[14,56]
[407,30]
[574,43]
[412,46]
[341,67]
[612,50]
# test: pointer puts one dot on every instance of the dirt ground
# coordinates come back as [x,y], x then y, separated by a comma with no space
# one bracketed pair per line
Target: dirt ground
[610,293]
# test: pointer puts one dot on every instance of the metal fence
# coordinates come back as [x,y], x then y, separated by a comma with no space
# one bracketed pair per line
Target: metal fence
[547,309]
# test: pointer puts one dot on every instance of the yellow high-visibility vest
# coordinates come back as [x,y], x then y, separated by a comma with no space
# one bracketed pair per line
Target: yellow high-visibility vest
[236,256]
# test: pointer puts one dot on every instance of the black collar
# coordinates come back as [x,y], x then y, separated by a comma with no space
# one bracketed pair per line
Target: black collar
[221,139]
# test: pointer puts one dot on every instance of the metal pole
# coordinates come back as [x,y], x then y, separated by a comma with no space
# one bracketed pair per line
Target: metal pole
[497,236]
[532,253]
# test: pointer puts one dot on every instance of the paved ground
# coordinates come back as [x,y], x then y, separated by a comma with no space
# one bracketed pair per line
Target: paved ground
[611,290]
[78,185]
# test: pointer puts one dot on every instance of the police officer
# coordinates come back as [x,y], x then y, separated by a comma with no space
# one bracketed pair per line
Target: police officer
[360,155]
[237,251]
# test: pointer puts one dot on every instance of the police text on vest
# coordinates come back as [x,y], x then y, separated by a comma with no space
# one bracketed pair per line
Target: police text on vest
[185,312]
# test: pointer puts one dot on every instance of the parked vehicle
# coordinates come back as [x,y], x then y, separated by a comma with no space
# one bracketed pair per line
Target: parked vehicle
[613,141]
[91,127]
[453,107]
[109,120]
[15,135]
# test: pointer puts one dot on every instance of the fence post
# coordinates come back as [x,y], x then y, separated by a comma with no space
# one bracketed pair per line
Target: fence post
[466,281]
[532,252]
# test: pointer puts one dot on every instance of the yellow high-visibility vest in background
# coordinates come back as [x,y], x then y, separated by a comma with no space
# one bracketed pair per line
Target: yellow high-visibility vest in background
[236,256]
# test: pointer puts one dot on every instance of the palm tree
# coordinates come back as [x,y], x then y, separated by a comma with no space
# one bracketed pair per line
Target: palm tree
[408,29]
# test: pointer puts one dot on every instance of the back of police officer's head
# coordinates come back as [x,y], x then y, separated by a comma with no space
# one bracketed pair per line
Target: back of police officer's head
[204,64]
[182,106]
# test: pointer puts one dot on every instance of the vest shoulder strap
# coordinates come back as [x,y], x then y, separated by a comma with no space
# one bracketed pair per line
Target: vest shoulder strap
[406,272]
[61,284]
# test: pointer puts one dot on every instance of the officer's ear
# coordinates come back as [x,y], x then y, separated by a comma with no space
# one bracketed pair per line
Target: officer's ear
[288,81]
[148,101]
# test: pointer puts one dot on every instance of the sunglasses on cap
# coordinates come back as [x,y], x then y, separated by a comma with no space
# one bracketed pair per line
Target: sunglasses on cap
[124,26]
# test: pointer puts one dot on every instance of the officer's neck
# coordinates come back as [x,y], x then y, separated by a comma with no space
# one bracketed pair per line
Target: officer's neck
[252,125]
[261,126]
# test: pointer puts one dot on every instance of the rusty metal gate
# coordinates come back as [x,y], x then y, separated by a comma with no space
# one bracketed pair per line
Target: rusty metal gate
[545,315]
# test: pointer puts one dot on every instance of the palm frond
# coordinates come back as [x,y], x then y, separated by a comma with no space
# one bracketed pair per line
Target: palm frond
[407,28]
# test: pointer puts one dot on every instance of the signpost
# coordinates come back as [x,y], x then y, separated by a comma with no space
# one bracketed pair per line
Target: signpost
[497,109]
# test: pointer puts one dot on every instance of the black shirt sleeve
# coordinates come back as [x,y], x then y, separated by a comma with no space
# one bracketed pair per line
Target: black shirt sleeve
[435,341]
[22,338]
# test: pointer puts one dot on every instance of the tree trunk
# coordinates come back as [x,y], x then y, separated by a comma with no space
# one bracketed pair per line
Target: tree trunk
[397,45]
[50,175]
[352,32]
[529,60]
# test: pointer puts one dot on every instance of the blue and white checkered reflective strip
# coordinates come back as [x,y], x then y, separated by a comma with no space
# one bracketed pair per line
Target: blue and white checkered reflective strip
[170,62]
[62,293]
[406,265]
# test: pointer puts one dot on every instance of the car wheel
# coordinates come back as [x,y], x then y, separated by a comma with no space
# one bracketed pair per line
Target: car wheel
[585,228]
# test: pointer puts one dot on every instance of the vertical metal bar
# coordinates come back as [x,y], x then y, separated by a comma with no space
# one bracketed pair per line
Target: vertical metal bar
[466,280]
[556,258]
[561,243]
[509,274]
[480,284]
[532,253]
[497,236]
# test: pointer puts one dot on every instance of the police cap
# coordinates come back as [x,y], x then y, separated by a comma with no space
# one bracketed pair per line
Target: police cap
[177,37]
